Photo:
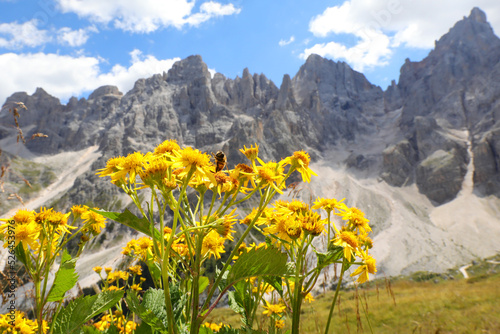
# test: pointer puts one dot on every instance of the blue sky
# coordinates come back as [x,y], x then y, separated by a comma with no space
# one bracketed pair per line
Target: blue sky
[71,47]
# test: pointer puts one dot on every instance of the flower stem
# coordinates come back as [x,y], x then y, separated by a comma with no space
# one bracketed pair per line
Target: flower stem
[336,295]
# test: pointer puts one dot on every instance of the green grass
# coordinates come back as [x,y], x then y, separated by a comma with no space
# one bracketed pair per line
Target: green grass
[442,303]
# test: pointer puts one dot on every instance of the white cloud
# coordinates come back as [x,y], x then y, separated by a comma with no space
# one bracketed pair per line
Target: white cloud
[66,76]
[283,42]
[380,26]
[369,52]
[74,37]
[145,16]
[141,67]
[16,36]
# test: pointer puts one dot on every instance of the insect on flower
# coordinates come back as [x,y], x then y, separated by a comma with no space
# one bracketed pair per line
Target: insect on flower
[220,161]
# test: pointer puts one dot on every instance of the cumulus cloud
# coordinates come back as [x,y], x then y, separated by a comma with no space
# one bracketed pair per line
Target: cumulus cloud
[142,66]
[283,42]
[145,16]
[381,26]
[74,38]
[65,76]
[18,35]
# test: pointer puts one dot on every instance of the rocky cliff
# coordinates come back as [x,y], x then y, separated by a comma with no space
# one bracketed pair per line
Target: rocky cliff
[427,131]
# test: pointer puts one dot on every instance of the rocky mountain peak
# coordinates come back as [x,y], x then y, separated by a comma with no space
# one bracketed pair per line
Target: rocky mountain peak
[188,69]
[477,15]
[326,78]
[105,90]
[471,33]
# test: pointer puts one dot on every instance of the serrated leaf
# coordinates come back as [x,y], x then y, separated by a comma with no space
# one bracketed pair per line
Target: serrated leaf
[268,261]
[127,218]
[149,308]
[65,280]
[79,311]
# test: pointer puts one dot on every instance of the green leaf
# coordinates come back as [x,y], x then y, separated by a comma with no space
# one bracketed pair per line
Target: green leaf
[21,254]
[268,261]
[152,310]
[143,328]
[333,254]
[276,282]
[79,311]
[127,218]
[154,269]
[66,278]
[202,283]
[235,302]
[89,330]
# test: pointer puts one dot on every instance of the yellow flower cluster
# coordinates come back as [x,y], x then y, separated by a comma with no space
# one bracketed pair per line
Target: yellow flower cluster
[353,236]
[17,323]
[118,320]
[168,166]
[114,278]
[290,220]
[214,327]
[46,229]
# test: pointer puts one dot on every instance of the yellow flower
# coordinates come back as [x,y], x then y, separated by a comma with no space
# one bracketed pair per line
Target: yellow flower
[192,159]
[328,204]
[128,168]
[271,174]
[369,266]
[136,270]
[180,248]
[224,227]
[213,326]
[348,241]
[279,324]
[27,234]
[155,171]
[22,216]
[244,174]
[213,244]
[97,269]
[112,166]
[356,219]
[58,220]
[93,222]
[168,146]
[271,309]
[130,327]
[300,161]
[141,247]
[136,287]
[309,298]
[78,210]
[251,153]
[312,223]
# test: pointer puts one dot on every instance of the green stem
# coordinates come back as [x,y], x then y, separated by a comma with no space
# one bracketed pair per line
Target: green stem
[195,292]
[335,297]
[297,294]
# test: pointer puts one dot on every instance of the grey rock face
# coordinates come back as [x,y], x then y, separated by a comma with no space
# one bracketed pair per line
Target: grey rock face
[398,164]
[440,175]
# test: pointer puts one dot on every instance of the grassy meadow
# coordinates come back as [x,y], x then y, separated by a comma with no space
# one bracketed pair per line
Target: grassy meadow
[421,303]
